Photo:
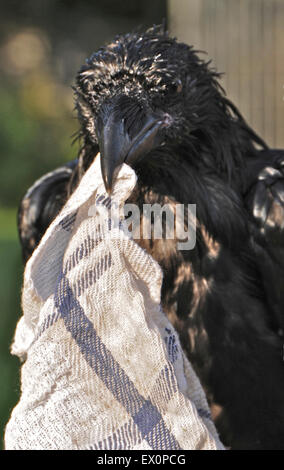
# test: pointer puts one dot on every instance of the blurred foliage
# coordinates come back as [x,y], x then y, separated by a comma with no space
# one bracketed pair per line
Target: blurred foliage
[10,288]
[43,43]
[35,134]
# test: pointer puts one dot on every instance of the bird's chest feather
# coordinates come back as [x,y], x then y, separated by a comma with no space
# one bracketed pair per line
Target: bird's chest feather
[209,269]
[188,274]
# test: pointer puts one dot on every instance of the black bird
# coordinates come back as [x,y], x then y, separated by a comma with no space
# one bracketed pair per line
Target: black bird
[150,101]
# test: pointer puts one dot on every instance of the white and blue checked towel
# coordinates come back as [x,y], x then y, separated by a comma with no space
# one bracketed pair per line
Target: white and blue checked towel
[103,366]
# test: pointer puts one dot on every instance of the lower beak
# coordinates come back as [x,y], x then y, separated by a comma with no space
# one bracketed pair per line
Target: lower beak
[116,146]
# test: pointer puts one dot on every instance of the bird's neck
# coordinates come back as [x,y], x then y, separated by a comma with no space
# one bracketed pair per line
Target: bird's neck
[219,206]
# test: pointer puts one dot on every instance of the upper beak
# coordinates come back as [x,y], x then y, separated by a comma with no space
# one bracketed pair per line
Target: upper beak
[116,146]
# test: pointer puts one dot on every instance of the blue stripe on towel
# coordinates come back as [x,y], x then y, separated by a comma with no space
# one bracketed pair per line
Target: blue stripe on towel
[144,414]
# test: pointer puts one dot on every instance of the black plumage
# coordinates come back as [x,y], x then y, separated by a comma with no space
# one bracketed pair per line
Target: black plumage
[152,102]
[41,204]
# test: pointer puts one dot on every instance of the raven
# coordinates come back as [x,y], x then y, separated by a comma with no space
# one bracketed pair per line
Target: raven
[152,102]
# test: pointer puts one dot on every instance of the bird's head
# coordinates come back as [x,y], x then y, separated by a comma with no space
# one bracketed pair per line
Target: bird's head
[146,91]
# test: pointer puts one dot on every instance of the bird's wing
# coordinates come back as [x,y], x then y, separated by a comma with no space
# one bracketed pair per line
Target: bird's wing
[41,204]
[265,202]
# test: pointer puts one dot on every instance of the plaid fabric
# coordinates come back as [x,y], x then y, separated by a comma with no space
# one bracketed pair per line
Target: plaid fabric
[103,366]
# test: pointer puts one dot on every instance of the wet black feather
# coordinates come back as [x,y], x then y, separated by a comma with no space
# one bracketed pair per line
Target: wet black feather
[225,297]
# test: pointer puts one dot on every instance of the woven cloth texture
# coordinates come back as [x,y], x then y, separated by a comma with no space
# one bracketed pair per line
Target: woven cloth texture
[102,365]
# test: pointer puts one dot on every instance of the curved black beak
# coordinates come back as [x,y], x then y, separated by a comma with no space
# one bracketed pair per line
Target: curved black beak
[116,145]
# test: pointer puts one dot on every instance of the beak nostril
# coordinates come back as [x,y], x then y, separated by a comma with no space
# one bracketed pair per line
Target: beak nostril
[130,111]
[126,133]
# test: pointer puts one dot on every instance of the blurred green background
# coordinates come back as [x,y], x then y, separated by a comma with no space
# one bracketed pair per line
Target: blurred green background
[43,43]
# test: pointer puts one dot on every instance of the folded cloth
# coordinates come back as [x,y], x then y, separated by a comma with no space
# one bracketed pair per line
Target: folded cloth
[103,367]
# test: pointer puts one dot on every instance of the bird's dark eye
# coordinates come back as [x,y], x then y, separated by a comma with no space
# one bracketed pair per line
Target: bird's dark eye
[175,86]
